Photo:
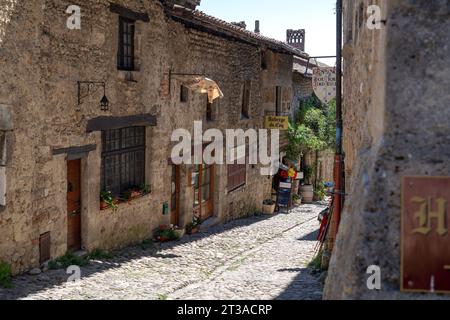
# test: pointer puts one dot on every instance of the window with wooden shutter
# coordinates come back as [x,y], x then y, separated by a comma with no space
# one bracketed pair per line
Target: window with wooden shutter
[237,176]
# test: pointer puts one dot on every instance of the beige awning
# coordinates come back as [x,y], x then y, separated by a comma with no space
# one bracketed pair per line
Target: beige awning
[204,85]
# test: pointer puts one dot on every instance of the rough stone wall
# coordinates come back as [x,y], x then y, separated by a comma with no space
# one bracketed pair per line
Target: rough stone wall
[325,167]
[302,89]
[41,61]
[229,64]
[396,91]
[278,72]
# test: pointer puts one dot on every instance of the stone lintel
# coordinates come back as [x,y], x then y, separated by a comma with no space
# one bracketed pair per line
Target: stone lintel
[108,123]
[128,13]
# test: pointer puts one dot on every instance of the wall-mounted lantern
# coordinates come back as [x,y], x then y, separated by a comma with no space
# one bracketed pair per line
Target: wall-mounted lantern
[88,87]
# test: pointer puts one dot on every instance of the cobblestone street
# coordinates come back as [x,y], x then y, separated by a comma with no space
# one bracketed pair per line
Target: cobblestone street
[255,258]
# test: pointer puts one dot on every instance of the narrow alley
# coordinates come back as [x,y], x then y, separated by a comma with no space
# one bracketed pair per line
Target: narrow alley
[262,257]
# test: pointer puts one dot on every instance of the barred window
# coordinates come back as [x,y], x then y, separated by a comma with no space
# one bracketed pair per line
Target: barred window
[125,56]
[123,159]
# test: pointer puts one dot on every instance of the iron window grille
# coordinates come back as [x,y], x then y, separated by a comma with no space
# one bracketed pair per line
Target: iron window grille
[123,159]
[125,56]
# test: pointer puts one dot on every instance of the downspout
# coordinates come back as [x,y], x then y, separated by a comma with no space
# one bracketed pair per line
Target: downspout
[339,167]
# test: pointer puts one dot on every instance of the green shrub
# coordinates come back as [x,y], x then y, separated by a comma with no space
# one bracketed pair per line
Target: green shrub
[169,234]
[99,254]
[320,192]
[316,263]
[147,244]
[69,259]
[5,275]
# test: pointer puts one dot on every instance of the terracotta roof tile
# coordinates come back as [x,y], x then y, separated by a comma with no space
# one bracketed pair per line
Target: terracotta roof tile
[237,31]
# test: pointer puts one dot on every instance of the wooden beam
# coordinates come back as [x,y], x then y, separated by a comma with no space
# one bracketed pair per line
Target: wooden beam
[87,148]
[108,123]
[128,13]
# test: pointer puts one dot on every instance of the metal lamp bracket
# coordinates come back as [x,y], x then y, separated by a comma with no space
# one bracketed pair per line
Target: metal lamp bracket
[88,87]
[171,74]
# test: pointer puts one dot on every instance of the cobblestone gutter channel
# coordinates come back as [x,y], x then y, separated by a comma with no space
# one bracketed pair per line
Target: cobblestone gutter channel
[253,258]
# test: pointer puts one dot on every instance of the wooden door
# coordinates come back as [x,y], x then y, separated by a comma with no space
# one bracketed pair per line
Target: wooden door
[74,205]
[203,184]
[175,199]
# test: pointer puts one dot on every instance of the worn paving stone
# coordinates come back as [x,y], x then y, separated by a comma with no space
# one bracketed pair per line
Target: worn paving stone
[255,258]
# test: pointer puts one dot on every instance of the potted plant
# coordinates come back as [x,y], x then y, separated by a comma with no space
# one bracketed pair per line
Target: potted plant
[132,194]
[145,189]
[107,201]
[166,233]
[194,226]
[269,206]
[179,231]
[297,199]
[320,193]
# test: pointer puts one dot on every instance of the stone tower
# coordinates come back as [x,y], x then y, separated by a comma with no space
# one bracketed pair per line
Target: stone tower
[296,38]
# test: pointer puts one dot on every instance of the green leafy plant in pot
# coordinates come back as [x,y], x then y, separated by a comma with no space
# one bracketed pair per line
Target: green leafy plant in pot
[107,201]
[194,226]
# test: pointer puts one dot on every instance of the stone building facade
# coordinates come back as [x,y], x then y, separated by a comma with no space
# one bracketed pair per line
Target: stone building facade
[395,98]
[61,150]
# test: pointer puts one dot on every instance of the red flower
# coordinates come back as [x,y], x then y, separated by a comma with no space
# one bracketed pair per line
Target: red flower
[284,174]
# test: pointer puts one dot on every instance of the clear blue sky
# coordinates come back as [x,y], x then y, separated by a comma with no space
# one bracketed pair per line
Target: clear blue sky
[316,16]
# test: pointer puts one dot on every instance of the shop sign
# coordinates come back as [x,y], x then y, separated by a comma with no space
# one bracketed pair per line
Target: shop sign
[425,249]
[324,83]
[276,123]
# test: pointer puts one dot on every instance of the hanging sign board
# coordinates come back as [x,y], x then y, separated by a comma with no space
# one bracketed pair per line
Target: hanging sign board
[324,83]
[425,250]
[276,123]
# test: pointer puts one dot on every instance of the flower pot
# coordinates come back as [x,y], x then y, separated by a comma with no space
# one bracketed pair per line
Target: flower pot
[180,232]
[164,239]
[103,205]
[193,230]
[269,208]
[307,192]
[135,194]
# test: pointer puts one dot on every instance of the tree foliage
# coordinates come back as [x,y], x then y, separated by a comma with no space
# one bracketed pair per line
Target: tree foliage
[312,129]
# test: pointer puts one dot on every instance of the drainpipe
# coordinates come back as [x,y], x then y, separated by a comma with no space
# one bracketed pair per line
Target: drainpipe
[339,167]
